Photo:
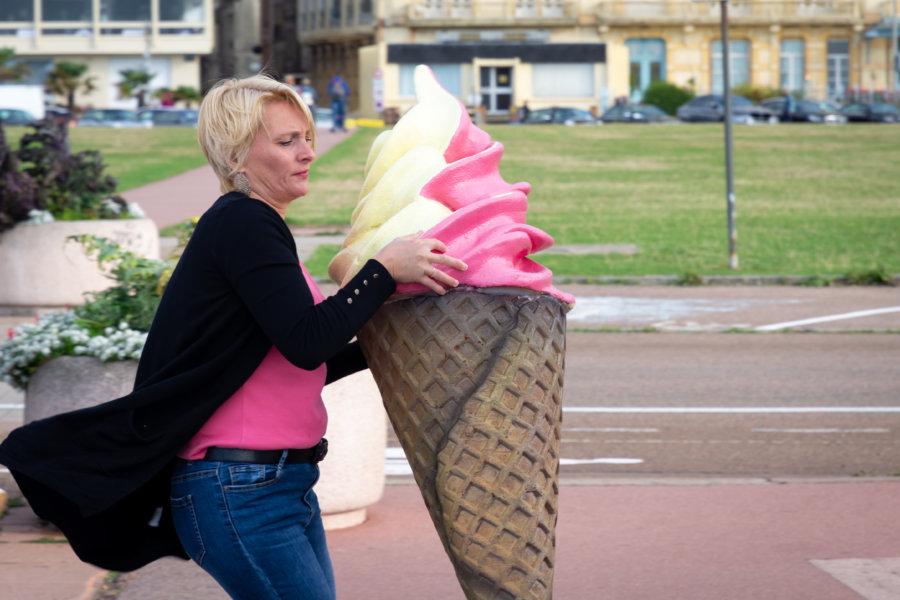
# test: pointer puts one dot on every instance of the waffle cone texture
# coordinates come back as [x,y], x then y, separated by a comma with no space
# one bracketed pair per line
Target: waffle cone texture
[472,382]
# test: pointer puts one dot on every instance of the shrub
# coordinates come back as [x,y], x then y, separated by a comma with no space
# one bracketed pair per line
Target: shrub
[755,93]
[111,325]
[667,96]
[44,176]
[19,193]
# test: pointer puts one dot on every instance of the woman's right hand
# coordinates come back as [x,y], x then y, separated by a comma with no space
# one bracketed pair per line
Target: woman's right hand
[412,259]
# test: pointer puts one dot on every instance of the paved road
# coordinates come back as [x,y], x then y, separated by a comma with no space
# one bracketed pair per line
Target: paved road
[818,398]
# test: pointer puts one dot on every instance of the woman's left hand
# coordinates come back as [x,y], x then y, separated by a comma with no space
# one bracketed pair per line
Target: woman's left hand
[412,259]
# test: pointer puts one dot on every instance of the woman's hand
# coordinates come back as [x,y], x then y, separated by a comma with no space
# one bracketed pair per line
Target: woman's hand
[412,259]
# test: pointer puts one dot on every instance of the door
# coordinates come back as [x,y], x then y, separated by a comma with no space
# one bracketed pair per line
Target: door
[838,69]
[647,63]
[496,89]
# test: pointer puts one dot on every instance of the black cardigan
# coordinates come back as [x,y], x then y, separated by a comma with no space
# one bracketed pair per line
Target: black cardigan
[101,474]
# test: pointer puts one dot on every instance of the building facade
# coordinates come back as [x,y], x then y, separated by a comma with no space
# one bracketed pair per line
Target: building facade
[164,37]
[588,53]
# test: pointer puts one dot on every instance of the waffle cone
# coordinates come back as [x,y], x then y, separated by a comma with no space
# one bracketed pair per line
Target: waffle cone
[472,382]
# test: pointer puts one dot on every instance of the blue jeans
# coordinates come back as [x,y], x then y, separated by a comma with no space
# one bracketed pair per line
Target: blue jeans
[255,528]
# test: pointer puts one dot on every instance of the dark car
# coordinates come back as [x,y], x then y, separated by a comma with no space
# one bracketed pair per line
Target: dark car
[636,113]
[16,116]
[874,112]
[118,118]
[711,108]
[169,117]
[804,111]
[557,114]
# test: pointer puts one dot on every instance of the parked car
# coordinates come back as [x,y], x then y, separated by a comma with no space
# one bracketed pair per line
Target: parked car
[16,116]
[118,118]
[559,114]
[804,111]
[636,113]
[323,118]
[711,108]
[59,114]
[169,117]
[876,112]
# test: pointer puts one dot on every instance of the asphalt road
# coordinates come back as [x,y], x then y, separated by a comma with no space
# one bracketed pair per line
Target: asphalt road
[746,382]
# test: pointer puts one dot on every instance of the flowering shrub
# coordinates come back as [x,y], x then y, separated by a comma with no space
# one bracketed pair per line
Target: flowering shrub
[111,325]
[61,334]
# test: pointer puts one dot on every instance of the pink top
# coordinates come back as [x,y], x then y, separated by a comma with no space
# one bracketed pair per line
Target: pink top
[279,406]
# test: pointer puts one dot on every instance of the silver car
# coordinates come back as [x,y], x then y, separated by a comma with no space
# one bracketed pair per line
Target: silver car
[118,118]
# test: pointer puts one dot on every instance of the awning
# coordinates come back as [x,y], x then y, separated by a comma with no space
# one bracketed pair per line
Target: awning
[882,29]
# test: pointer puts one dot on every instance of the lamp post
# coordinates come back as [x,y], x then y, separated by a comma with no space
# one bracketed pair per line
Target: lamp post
[729,162]
[894,68]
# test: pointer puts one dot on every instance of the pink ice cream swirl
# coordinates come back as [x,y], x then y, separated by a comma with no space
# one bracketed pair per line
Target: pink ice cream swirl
[487,228]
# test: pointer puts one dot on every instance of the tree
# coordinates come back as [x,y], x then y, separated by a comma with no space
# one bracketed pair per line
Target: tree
[187,95]
[9,70]
[135,83]
[66,78]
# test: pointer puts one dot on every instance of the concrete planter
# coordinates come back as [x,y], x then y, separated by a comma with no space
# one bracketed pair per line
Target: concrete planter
[39,267]
[352,473]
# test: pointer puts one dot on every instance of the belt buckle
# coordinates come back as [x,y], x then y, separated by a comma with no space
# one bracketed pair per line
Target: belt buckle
[320,450]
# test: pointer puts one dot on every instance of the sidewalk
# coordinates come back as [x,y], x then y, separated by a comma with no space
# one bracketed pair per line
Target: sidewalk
[617,538]
[746,540]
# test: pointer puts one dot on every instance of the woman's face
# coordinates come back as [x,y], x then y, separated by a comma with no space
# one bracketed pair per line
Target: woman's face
[279,159]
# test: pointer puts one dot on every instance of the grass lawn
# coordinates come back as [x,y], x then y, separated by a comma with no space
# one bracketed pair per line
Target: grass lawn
[135,157]
[811,199]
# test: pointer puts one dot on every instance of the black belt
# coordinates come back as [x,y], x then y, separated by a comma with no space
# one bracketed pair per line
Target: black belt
[271,457]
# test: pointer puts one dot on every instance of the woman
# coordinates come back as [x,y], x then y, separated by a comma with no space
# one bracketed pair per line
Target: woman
[213,455]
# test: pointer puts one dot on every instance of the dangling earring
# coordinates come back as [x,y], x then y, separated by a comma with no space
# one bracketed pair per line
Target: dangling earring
[242,184]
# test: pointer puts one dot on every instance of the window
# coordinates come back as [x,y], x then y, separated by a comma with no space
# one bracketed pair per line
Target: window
[66,10]
[738,63]
[124,10]
[792,65]
[448,75]
[564,80]
[838,65]
[181,10]
[17,10]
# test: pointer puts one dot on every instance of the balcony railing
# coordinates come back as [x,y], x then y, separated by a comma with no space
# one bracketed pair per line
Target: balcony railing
[739,11]
[492,11]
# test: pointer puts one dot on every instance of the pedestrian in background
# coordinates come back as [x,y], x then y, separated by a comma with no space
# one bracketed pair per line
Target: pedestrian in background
[338,92]
[309,95]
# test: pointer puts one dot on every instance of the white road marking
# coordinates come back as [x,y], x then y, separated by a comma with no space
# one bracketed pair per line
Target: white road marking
[823,430]
[11,406]
[871,578]
[600,461]
[396,463]
[613,429]
[688,410]
[839,317]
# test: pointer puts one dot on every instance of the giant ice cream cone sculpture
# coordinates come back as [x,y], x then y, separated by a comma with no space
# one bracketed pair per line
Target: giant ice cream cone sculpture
[472,380]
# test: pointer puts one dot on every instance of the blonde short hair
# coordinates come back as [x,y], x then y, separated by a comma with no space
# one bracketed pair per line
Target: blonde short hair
[231,115]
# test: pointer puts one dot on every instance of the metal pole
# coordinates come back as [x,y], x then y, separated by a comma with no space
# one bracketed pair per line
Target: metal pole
[729,163]
[895,60]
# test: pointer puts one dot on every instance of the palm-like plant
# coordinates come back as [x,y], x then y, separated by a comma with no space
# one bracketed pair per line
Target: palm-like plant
[10,71]
[135,83]
[66,78]
[187,95]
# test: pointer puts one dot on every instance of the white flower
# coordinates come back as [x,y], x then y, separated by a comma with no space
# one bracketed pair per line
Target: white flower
[57,334]
[136,211]
[39,216]
[112,206]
